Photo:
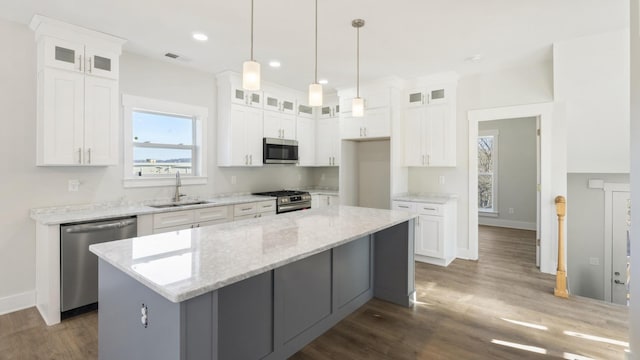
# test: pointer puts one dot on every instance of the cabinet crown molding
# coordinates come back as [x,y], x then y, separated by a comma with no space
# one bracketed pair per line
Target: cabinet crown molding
[45,26]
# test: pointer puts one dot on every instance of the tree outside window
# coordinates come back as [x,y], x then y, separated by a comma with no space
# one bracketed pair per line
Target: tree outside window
[487,171]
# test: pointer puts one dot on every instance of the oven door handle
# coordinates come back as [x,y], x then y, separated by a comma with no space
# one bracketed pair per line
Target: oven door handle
[293,207]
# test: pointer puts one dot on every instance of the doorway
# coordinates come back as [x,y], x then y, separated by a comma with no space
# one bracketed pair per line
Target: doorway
[553,173]
[508,175]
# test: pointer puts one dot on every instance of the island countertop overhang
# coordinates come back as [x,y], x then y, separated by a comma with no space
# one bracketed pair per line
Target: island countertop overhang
[184,264]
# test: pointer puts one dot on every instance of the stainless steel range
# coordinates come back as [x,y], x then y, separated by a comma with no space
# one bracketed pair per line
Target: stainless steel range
[289,200]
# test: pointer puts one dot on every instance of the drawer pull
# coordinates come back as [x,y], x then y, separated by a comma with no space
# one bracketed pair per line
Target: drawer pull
[246,209]
[403,206]
[430,209]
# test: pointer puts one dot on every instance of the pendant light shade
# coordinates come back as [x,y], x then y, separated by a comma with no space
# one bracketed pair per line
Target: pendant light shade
[251,68]
[315,95]
[315,89]
[251,75]
[357,104]
[357,107]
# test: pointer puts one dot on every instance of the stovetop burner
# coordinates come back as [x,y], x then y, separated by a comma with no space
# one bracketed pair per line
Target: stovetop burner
[281,193]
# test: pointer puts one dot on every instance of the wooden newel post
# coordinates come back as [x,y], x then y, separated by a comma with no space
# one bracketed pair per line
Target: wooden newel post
[561,274]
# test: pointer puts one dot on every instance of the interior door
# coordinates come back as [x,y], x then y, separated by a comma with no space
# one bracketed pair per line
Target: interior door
[620,247]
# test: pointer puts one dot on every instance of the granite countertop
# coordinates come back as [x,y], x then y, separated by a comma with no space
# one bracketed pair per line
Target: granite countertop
[76,213]
[435,198]
[180,265]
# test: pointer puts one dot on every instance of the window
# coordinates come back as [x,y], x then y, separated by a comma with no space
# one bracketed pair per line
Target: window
[161,139]
[488,171]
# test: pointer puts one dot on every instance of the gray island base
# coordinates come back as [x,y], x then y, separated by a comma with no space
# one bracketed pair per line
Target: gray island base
[268,314]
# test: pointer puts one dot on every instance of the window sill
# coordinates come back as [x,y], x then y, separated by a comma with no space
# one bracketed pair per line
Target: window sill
[488,213]
[168,181]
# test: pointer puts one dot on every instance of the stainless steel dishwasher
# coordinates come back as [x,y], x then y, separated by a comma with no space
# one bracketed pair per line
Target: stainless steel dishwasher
[79,267]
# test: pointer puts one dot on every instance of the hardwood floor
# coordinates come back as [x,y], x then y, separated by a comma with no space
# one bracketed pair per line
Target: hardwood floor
[469,310]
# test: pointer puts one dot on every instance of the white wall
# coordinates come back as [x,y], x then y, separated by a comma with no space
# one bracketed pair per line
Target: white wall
[25,186]
[517,174]
[591,76]
[634,338]
[374,180]
[514,86]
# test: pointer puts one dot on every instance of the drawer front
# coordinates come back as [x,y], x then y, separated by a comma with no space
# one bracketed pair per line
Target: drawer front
[430,209]
[213,213]
[266,206]
[173,218]
[212,222]
[244,217]
[172,228]
[244,209]
[403,206]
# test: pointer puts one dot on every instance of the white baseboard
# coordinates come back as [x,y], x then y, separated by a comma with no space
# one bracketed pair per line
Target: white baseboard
[464,254]
[17,302]
[513,224]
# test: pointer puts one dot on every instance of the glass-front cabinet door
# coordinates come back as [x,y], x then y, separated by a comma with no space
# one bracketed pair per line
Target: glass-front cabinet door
[101,63]
[64,55]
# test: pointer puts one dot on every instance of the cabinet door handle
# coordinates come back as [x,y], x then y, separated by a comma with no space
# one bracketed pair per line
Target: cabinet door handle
[80,63]
[428,159]
[251,159]
[89,156]
[423,160]
[90,66]
[618,282]
[246,159]
[423,98]
[365,131]
[79,155]
[360,132]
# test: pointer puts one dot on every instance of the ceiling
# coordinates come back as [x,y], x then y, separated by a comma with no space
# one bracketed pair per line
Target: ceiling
[405,38]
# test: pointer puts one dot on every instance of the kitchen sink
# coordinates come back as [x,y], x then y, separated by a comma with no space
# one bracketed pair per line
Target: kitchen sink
[179,204]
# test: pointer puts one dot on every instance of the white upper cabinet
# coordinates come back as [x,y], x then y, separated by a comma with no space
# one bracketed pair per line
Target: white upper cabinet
[279,125]
[279,114]
[376,122]
[244,97]
[430,126]
[305,111]
[241,137]
[328,142]
[279,101]
[77,113]
[329,111]
[306,136]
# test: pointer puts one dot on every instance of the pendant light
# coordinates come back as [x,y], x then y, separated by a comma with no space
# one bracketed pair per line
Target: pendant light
[315,89]
[251,68]
[357,105]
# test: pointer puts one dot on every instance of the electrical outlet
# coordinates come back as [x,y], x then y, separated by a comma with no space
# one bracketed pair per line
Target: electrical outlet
[511,211]
[234,180]
[73,185]
[594,261]
[441,179]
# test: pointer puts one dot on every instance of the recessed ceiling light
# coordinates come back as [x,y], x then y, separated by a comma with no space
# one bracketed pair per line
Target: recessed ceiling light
[274,63]
[200,36]
[474,58]
[323,81]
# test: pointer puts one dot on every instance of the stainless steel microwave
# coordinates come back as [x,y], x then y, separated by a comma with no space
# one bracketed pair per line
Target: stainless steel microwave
[279,151]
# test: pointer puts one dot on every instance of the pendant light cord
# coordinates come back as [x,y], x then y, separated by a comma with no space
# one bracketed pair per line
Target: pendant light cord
[252,30]
[358,62]
[316,64]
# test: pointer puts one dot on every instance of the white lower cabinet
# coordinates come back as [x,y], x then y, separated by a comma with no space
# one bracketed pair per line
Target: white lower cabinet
[254,210]
[322,200]
[435,230]
[189,219]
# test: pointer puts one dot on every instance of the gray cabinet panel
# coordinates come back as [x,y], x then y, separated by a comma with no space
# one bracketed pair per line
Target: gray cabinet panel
[351,270]
[245,318]
[122,334]
[394,264]
[304,294]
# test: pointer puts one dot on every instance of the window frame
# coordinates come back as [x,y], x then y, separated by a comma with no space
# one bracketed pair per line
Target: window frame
[493,211]
[199,114]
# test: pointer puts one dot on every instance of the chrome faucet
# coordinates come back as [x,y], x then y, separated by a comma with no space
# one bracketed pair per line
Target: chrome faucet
[177,196]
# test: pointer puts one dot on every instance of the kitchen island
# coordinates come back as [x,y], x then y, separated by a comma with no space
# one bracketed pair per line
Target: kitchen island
[254,289]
